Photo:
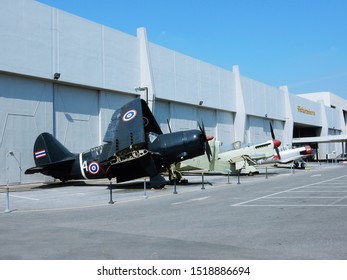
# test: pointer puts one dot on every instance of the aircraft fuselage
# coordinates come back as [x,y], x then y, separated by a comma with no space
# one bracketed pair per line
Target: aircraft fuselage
[165,149]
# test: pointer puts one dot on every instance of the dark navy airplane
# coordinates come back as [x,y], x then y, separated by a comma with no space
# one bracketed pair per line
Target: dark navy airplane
[134,147]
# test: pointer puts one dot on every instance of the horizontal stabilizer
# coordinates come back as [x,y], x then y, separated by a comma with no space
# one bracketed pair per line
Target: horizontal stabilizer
[43,168]
[34,170]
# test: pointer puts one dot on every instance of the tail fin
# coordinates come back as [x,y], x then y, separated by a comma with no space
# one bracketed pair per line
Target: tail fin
[48,150]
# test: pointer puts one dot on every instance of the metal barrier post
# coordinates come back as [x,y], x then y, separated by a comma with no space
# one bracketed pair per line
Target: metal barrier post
[203,183]
[110,187]
[229,171]
[145,188]
[7,210]
[175,190]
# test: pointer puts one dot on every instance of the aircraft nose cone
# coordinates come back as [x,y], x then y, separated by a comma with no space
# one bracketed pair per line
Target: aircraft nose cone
[308,150]
[277,143]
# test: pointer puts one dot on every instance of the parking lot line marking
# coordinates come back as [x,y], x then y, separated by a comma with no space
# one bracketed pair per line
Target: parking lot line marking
[292,205]
[338,200]
[293,189]
[321,191]
[304,197]
[23,197]
[79,207]
[332,186]
[190,200]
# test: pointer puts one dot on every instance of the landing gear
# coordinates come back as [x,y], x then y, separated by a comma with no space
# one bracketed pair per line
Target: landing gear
[301,165]
[174,174]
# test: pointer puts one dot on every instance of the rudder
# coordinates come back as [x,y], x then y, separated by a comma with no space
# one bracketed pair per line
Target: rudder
[49,150]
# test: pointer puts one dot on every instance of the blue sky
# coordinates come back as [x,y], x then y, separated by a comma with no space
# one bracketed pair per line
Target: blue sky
[298,43]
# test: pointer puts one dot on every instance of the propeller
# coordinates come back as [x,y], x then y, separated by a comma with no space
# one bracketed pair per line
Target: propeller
[276,142]
[206,139]
[168,124]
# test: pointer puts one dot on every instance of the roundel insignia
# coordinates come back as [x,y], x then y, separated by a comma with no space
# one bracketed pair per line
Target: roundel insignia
[128,116]
[93,167]
[145,121]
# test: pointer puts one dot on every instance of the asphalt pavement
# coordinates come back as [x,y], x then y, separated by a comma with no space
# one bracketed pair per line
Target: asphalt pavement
[280,214]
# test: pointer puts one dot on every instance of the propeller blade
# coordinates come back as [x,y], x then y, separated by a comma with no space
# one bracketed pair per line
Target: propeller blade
[206,139]
[277,143]
[277,152]
[272,132]
[202,129]
[168,124]
[208,152]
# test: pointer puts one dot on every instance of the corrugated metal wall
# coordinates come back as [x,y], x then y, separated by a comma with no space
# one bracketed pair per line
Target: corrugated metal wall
[78,117]
[26,109]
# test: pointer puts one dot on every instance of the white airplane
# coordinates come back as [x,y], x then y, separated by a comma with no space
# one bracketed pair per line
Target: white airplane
[288,155]
[233,161]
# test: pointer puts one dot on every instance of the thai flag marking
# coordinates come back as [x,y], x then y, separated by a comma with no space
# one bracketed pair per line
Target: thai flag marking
[40,154]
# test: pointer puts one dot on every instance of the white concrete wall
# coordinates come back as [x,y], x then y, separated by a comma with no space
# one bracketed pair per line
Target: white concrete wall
[180,77]
[101,67]
[39,40]
[262,100]
[313,115]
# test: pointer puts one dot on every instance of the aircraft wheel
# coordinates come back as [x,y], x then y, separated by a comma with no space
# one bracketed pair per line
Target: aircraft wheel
[177,175]
[159,187]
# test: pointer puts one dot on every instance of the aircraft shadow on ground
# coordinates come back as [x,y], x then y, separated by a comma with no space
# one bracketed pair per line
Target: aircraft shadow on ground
[52,185]
[140,184]
[127,185]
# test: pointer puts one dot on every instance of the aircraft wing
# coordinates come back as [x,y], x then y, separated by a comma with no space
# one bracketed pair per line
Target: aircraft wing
[290,159]
[258,156]
[128,127]
[240,161]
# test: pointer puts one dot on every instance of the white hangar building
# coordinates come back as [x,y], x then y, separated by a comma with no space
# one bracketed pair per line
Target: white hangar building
[100,69]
